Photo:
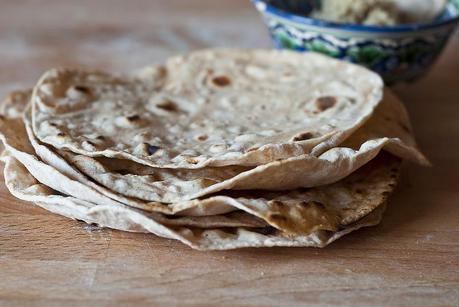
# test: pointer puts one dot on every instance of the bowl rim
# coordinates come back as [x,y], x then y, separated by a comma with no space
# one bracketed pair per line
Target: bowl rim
[264,7]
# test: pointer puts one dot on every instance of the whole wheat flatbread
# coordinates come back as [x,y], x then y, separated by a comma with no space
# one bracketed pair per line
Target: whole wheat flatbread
[24,186]
[389,128]
[208,108]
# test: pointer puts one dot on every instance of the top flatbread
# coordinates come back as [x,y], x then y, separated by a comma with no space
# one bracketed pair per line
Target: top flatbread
[209,108]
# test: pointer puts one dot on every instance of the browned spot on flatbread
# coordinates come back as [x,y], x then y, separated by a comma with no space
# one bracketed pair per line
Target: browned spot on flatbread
[133,118]
[202,137]
[83,89]
[61,134]
[168,105]
[303,136]
[324,103]
[221,81]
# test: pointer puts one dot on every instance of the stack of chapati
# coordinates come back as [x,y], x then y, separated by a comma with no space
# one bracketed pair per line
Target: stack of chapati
[219,149]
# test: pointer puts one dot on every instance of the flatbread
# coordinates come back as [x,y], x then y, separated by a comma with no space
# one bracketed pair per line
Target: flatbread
[24,186]
[209,108]
[389,128]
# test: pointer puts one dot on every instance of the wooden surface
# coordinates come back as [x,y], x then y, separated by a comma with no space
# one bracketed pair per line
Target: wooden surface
[412,258]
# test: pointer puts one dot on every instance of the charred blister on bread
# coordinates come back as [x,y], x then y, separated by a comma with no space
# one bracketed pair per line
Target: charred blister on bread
[202,137]
[221,81]
[324,103]
[167,105]
[83,89]
[133,118]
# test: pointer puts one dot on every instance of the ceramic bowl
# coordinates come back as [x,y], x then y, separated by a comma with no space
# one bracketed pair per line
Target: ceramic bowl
[397,53]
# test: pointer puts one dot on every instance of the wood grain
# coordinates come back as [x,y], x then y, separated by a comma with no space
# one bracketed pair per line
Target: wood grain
[412,258]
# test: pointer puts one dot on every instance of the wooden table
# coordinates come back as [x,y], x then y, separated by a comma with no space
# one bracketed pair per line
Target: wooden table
[412,258]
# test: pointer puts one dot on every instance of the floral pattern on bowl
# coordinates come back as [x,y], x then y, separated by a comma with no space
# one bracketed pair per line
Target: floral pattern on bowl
[397,53]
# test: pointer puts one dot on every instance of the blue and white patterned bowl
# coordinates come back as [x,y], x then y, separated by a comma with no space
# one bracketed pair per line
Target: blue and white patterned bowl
[397,53]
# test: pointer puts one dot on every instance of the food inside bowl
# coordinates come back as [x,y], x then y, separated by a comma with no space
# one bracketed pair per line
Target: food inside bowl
[368,12]
[372,12]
